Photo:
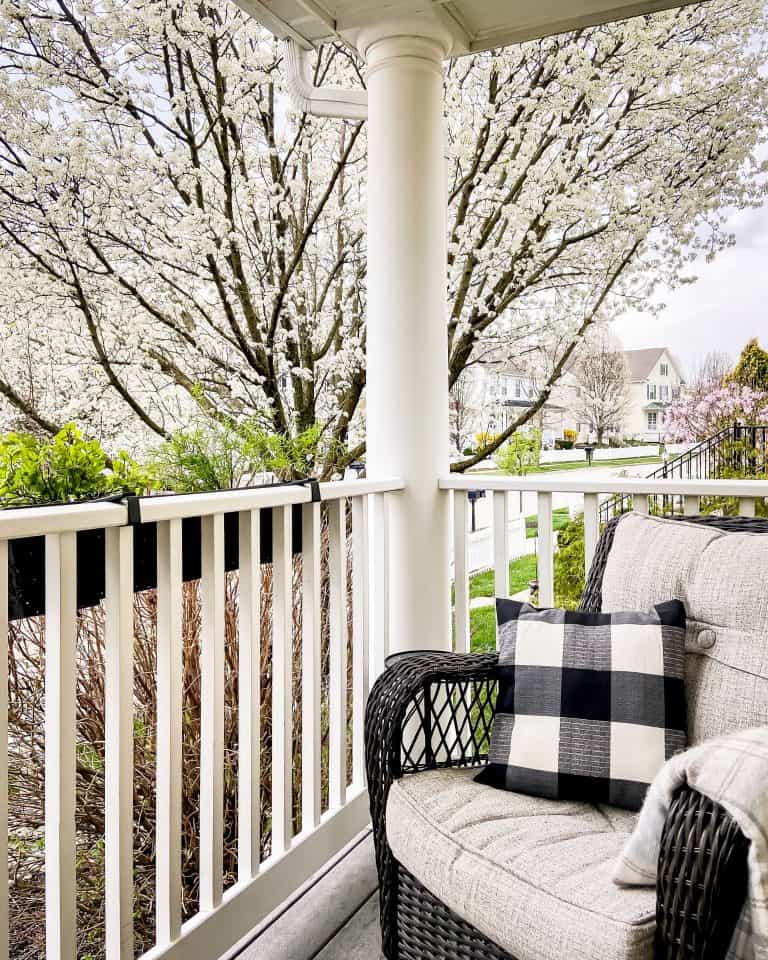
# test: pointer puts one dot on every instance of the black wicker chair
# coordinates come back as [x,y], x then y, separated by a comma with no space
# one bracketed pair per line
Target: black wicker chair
[432,709]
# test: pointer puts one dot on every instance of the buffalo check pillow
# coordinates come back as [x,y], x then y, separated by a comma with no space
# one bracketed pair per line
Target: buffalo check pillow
[590,706]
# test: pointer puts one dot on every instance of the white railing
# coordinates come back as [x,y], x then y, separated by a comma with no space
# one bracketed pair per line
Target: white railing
[224,917]
[685,497]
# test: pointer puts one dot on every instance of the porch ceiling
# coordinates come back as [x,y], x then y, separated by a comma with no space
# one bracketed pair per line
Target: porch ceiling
[475,24]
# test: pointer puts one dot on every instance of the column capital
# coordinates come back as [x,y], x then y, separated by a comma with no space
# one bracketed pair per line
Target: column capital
[420,38]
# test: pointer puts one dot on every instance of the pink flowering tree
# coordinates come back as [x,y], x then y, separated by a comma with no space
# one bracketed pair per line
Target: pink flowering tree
[704,414]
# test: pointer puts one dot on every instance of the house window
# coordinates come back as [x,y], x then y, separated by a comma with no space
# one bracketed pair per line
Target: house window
[518,389]
[664,392]
[675,393]
[653,420]
[651,391]
[664,369]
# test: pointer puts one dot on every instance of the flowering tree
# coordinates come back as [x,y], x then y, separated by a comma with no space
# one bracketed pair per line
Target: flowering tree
[178,245]
[173,240]
[603,384]
[463,409]
[701,416]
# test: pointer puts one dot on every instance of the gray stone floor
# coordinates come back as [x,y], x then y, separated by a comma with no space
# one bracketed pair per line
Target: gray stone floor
[335,919]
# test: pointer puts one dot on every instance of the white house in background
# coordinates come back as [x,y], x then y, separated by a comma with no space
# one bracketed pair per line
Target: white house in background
[656,380]
[498,391]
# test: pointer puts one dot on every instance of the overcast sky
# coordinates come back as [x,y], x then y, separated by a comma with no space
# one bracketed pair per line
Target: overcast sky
[726,306]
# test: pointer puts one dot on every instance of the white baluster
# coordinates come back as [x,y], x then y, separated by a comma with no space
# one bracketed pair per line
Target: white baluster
[501,543]
[337,680]
[249,697]
[282,677]
[591,528]
[545,551]
[379,608]
[212,713]
[169,758]
[746,506]
[360,636]
[310,664]
[60,740]
[461,570]
[118,743]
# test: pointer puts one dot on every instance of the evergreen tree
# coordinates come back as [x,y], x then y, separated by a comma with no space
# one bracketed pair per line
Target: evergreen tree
[752,367]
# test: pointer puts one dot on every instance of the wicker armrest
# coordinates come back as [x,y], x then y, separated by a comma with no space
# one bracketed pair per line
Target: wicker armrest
[428,709]
[702,880]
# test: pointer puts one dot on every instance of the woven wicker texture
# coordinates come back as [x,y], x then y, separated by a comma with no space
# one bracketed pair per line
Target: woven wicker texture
[702,880]
[427,928]
[433,710]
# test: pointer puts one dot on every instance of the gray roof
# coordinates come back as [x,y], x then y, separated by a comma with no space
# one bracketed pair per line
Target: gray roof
[641,362]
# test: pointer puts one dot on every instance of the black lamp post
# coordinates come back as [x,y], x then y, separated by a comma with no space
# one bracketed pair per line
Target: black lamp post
[474,496]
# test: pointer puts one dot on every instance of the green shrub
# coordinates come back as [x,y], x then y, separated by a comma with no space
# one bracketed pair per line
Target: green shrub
[64,467]
[520,453]
[569,564]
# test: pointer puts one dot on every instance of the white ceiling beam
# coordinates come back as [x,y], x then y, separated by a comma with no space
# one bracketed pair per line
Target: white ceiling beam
[520,33]
[312,22]
[320,13]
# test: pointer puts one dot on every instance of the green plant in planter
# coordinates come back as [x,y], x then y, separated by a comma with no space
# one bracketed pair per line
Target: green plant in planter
[205,456]
[212,455]
[288,457]
[64,467]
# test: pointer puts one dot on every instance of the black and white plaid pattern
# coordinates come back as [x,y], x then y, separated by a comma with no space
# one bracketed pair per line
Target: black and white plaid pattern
[590,706]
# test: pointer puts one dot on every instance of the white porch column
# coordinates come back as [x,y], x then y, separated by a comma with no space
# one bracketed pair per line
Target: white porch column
[407,372]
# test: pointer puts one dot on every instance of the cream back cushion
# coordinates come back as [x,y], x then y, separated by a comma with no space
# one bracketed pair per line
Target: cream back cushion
[722,578]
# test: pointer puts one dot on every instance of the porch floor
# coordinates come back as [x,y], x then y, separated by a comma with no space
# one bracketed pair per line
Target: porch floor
[335,918]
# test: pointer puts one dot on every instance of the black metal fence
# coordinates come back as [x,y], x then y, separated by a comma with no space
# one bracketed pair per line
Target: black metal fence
[736,452]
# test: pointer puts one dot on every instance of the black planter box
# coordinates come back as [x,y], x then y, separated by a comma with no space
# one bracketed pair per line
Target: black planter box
[26,560]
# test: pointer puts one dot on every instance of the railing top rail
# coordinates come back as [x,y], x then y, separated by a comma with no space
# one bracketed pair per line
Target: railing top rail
[180,506]
[62,518]
[557,483]
[67,518]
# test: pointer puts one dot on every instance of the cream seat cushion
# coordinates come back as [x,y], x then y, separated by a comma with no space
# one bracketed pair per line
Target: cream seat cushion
[532,875]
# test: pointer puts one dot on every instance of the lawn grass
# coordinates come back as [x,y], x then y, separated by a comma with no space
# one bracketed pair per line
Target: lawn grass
[482,620]
[560,517]
[520,573]
[574,465]
[482,629]
[581,465]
